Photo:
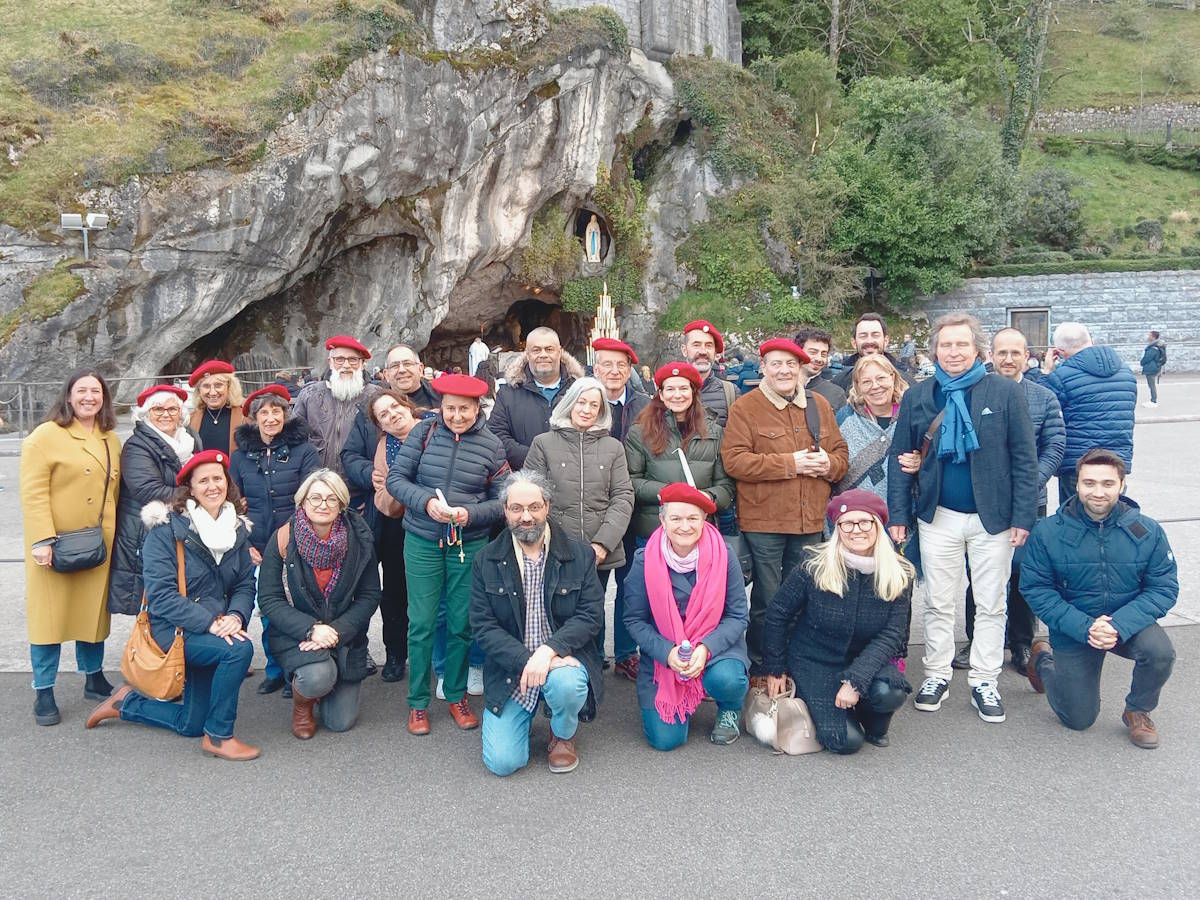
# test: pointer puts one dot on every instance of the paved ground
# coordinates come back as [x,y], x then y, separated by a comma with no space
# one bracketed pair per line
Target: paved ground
[953,808]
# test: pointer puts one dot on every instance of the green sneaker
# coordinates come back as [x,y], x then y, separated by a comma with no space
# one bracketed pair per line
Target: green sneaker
[726,730]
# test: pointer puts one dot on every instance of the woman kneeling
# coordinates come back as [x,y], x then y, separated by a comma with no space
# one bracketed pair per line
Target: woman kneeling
[202,522]
[839,626]
[685,588]
[319,587]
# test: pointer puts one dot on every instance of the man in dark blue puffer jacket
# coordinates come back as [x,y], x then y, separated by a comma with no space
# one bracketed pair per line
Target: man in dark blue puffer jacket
[1098,393]
[1100,574]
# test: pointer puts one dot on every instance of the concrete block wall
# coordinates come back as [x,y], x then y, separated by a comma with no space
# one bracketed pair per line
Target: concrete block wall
[1118,308]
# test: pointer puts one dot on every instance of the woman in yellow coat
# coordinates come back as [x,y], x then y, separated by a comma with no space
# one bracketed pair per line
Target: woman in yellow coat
[70,474]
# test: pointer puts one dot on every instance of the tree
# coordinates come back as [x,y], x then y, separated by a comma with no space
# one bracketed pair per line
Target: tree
[1026,86]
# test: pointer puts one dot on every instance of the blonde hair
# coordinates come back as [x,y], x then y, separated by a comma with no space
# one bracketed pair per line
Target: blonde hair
[236,393]
[898,388]
[893,573]
[331,480]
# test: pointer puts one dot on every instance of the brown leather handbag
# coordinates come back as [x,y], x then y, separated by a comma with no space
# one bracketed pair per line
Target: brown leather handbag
[146,667]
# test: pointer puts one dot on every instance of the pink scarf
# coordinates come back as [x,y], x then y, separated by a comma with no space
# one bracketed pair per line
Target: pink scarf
[676,699]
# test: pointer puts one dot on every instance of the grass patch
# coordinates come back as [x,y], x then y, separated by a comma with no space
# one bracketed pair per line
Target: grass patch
[51,292]
[91,93]
[1086,67]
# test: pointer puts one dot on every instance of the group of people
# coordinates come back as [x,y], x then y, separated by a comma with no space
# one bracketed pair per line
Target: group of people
[496,534]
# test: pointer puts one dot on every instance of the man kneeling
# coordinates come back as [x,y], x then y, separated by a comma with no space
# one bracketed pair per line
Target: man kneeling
[1100,574]
[536,608]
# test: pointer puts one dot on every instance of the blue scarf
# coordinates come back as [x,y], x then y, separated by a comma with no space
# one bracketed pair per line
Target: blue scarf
[391,448]
[958,436]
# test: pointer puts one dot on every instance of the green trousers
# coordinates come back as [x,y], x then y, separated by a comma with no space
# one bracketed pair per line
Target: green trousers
[429,570]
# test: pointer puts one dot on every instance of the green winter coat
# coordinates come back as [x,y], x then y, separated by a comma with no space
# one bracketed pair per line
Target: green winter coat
[650,474]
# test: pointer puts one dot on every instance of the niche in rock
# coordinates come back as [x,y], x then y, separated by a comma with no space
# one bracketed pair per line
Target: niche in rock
[448,344]
[593,234]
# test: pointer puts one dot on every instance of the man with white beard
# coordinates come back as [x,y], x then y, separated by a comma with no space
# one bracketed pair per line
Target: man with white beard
[330,406]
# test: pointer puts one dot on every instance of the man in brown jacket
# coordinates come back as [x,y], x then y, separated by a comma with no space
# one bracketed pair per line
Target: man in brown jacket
[783,475]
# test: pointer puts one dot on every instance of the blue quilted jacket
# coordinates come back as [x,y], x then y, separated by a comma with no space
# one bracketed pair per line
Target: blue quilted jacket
[1098,393]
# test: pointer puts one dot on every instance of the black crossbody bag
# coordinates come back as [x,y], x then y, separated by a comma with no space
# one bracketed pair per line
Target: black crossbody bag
[84,548]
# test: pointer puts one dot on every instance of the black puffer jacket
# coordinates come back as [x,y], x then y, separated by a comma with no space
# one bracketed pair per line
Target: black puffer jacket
[468,468]
[522,412]
[148,470]
[269,476]
[348,609]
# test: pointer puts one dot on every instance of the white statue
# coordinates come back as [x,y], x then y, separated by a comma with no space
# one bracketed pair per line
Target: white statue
[591,240]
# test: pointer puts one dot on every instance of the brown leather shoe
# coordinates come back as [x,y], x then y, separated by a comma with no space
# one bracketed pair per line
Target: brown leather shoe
[462,715]
[109,709]
[1038,648]
[563,755]
[304,723]
[418,721]
[228,748]
[1141,729]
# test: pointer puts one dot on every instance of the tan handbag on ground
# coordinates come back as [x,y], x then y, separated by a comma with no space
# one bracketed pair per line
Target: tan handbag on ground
[145,666]
[783,724]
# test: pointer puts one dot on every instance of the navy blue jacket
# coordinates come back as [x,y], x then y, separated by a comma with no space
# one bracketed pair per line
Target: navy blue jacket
[1004,470]
[1098,394]
[726,641]
[269,476]
[468,468]
[1076,569]
[358,462]
[1049,430]
[572,598]
[625,414]
[213,589]
[522,412]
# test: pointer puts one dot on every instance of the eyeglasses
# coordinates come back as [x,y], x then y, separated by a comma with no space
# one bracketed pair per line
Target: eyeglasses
[164,411]
[534,508]
[403,364]
[849,527]
[353,361]
[609,366]
[318,502]
[881,381]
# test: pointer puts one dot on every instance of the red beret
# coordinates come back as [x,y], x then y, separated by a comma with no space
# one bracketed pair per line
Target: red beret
[349,343]
[679,492]
[199,459]
[277,389]
[614,344]
[162,388]
[857,500]
[212,367]
[459,386]
[708,328]
[786,346]
[678,370]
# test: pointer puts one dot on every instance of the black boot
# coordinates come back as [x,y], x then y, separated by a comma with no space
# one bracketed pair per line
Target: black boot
[45,710]
[270,685]
[393,668]
[96,687]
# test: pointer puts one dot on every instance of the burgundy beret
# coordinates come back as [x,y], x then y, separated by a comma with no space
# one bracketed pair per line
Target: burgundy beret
[708,328]
[349,343]
[604,343]
[785,345]
[199,459]
[857,500]
[277,389]
[681,492]
[212,367]
[677,370]
[459,386]
[162,388]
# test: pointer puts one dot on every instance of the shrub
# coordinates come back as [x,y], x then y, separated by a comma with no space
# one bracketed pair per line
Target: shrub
[1053,215]
[1128,21]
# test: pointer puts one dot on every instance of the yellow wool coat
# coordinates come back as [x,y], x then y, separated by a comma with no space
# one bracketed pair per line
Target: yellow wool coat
[62,487]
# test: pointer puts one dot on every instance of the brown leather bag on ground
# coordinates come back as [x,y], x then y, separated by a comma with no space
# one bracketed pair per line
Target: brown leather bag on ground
[145,666]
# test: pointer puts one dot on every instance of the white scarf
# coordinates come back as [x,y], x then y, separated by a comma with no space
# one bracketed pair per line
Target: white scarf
[864,564]
[182,443]
[219,534]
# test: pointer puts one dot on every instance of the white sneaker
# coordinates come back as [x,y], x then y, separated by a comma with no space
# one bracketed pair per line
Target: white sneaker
[441,693]
[475,681]
[1150,404]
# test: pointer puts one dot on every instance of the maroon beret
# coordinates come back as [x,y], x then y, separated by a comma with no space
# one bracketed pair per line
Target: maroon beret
[212,367]
[277,389]
[857,500]
[199,459]
[459,386]
[708,328]
[162,388]
[680,492]
[604,343]
[785,345]
[349,343]
[677,370]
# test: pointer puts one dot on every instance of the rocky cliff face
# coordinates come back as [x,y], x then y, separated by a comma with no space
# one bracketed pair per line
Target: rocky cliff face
[395,203]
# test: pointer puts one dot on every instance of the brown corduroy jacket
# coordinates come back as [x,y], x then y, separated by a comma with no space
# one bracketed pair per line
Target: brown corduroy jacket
[761,435]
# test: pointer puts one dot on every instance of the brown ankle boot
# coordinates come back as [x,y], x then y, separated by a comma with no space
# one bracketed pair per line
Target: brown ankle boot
[304,723]
[228,748]
[1141,730]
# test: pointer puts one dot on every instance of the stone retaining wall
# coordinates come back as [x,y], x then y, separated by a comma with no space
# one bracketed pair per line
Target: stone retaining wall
[1152,117]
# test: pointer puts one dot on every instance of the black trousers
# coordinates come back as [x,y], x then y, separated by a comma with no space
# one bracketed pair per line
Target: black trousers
[1021,620]
[394,605]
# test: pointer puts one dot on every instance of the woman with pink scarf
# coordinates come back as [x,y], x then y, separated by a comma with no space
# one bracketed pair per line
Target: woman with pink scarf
[684,586]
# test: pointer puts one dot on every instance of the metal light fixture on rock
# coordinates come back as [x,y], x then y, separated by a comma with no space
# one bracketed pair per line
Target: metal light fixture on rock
[76,222]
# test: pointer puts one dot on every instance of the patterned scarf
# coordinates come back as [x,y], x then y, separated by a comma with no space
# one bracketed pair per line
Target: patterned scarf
[321,554]
[391,447]
[958,436]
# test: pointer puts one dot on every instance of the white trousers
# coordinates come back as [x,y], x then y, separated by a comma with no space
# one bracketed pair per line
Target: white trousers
[951,539]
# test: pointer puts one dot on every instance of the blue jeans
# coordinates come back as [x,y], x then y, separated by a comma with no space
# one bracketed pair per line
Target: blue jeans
[214,674]
[506,736]
[1072,675]
[725,681]
[272,669]
[338,708]
[624,646]
[474,657]
[89,658]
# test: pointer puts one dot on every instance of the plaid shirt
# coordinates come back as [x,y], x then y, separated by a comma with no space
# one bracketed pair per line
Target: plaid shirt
[537,627]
